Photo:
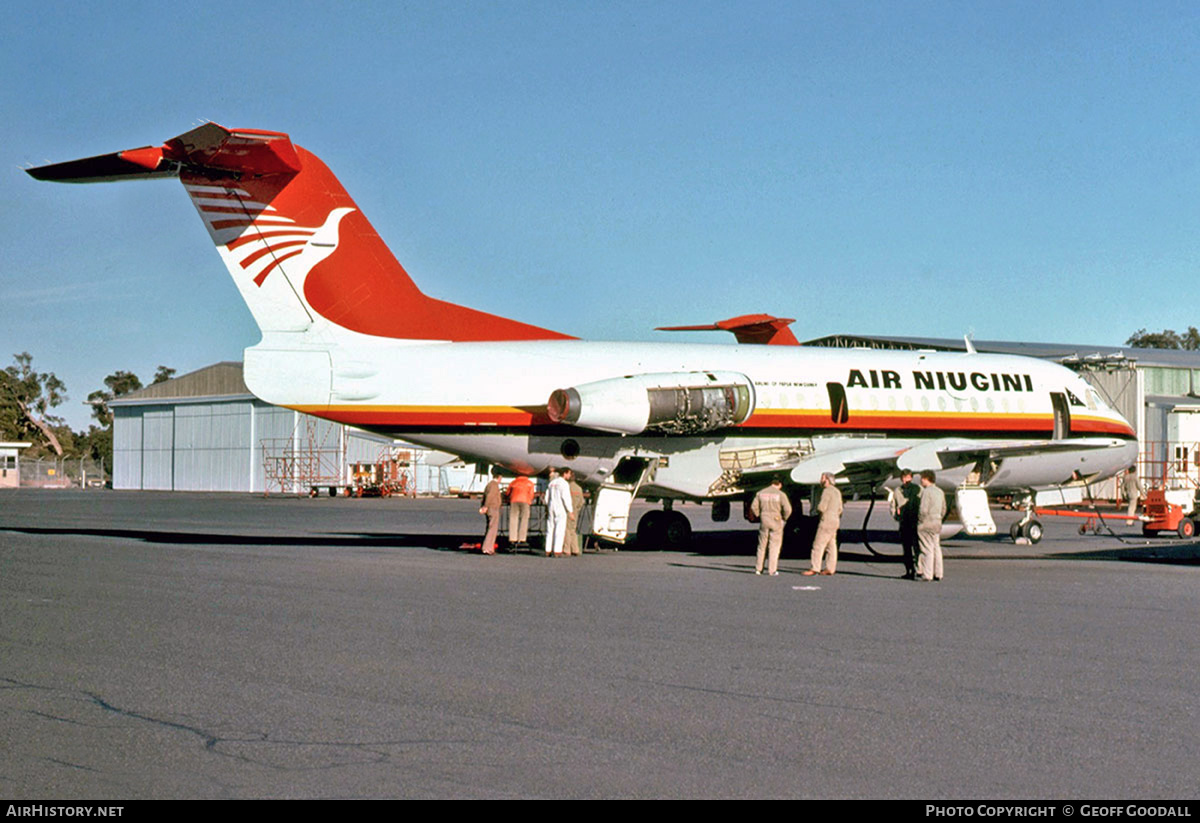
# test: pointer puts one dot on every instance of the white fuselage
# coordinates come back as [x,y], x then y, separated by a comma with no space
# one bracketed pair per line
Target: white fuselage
[487,401]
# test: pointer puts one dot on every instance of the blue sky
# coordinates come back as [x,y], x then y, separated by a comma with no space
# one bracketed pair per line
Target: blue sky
[1022,171]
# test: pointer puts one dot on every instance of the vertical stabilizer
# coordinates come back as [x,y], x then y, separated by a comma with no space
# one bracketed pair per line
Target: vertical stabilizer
[297,246]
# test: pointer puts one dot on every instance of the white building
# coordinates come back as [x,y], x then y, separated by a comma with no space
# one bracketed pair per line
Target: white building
[10,463]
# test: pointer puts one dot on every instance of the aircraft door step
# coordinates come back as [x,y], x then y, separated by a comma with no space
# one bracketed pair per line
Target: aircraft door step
[610,513]
[975,513]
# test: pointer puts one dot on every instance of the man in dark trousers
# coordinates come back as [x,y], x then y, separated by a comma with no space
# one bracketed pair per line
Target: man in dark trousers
[906,507]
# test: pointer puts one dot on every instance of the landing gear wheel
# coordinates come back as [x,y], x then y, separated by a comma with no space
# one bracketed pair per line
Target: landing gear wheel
[1187,528]
[1015,531]
[650,528]
[1032,531]
[676,530]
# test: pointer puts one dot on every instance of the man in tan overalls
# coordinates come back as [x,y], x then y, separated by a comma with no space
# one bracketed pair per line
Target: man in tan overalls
[824,550]
[571,543]
[772,508]
[492,501]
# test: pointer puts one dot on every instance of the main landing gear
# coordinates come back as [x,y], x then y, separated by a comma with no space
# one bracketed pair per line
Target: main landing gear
[1027,527]
[663,529]
[1030,529]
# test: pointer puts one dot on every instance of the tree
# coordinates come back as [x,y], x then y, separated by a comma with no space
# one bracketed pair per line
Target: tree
[27,396]
[1166,339]
[97,445]
[119,383]
[98,442]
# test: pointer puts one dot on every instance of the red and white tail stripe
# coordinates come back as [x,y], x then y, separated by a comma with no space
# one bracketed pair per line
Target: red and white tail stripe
[255,236]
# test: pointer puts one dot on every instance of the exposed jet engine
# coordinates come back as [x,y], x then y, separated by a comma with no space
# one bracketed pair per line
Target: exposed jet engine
[671,403]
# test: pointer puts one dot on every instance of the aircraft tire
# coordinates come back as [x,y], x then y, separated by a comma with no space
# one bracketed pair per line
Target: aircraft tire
[1187,528]
[650,529]
[676,531]
[1015,531]
[1033,531]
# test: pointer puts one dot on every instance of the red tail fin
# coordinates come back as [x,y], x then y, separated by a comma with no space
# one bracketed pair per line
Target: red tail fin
[293,239]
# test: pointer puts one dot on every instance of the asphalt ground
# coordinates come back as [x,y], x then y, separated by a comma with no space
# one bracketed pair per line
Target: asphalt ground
[234,646]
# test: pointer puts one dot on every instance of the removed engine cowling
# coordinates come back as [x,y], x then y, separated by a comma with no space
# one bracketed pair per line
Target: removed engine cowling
[670,403]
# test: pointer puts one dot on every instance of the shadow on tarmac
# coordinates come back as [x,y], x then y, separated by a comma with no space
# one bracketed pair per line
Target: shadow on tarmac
[727,543]
[350,540]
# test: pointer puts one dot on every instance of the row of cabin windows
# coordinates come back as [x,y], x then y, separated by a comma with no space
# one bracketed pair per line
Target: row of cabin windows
[839,408]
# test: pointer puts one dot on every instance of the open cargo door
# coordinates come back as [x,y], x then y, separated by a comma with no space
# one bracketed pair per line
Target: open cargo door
[610,518]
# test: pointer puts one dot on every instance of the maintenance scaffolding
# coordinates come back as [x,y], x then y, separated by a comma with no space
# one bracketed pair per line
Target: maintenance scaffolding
[306,462]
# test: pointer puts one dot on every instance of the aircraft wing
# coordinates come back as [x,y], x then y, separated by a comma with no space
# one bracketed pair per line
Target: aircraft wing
[871,463]
[947,453]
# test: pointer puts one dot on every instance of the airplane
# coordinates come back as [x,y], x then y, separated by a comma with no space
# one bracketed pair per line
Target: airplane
[347,335]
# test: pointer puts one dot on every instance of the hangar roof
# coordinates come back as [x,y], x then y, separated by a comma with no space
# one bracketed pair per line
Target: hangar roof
[1174,358]
[220,380]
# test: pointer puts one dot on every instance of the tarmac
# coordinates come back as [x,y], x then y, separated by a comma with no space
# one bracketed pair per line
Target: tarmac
[176,645]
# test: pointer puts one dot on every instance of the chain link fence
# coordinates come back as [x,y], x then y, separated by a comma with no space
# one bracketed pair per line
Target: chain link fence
[62,473]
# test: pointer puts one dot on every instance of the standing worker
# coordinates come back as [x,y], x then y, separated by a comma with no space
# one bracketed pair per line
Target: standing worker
[824,550]
[929,527]
[492,500]
[772,508]
[906,508]
[520,496]
[1133,490]
[572,546]
[558,506]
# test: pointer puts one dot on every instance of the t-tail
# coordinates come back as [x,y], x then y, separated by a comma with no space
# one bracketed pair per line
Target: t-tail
[299,250]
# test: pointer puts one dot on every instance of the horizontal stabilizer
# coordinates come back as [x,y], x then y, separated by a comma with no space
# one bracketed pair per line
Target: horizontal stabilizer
[763,329]
[211,149]
[144,163]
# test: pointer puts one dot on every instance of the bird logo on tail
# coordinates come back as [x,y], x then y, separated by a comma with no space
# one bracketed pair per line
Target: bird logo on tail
[259,239]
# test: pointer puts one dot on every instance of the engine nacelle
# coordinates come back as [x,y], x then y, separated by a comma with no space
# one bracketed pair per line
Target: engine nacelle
[671,403]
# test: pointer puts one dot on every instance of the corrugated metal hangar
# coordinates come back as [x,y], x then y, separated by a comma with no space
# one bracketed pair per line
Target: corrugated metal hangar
[205,431]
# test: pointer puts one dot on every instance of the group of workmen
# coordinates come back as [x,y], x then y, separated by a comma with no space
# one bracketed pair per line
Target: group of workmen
[564,501]
[919,510]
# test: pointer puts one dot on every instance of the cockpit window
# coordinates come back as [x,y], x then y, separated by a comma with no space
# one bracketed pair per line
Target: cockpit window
[1075,401]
